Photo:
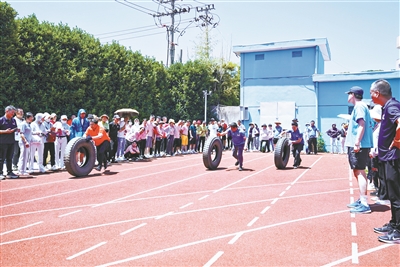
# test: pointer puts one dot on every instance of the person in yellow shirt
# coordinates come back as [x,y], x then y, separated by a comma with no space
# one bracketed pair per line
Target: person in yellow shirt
[101,140]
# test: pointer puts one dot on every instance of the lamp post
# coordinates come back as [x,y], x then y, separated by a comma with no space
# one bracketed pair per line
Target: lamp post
[205,103]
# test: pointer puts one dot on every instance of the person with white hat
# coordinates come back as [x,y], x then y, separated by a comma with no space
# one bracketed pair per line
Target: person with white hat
[62,133]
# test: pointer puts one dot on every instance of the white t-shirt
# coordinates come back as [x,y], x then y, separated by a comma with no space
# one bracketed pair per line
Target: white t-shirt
[212,128]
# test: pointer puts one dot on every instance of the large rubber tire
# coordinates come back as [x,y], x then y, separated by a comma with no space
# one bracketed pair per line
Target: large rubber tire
[212,153]
[80,157]
[282,153]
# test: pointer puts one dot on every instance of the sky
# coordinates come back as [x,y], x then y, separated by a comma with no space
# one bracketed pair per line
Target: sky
[362,35]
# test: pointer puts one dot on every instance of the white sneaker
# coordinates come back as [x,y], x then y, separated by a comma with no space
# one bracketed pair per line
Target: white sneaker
[371,187]
[54,168]
[2,177]
[42,169]
[382,202]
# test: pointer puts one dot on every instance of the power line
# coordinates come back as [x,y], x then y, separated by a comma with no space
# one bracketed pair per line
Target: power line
[131,29]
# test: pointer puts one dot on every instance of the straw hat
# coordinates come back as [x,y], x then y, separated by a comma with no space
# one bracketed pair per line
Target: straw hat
[171,120]
[376,112]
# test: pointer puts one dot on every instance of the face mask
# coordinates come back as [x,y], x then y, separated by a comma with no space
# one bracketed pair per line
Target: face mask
[130,123]
[47,120]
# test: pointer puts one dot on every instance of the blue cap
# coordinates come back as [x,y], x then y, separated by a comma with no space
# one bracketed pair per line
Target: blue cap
[356,90]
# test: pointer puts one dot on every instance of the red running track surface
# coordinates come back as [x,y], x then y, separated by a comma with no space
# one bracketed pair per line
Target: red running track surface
[175,212]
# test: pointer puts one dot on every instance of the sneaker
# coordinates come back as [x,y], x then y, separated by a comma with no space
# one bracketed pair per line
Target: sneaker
[371,187]
[236,163]
[240,169]
[54,168]
[393,237]
[98,168]
[382,202]
[354,204]
[12,175]
[294,167]
[386,228]
[24,173]
[15,168]
[361,209]
[2,177]
[42,169]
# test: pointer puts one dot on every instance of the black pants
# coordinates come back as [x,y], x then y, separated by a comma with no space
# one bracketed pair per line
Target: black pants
[390,171]
[142,146]
[49,147]
[266,146]
[112,149]
[312,145]
[296,150]
[102,153]
[201,143]
[6,154]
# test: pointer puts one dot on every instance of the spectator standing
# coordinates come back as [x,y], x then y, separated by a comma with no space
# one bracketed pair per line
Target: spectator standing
[37,143]
[313,134]
[193,137]
[256,137]
[270,138]
[264,135]
[202,139]
[24,143]
[249,145]
[49,142]
[104,122]
[212,128]
[277,131]
[8,127]
[359,142]
[389,156]
[334,134]
[19,118]
[113,134]
[343,133]
[62,133]
[79,124]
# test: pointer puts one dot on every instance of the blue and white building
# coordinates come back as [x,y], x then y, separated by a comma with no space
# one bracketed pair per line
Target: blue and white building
[286,80]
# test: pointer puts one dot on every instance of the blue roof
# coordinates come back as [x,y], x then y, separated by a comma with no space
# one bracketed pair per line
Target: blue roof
[322,43]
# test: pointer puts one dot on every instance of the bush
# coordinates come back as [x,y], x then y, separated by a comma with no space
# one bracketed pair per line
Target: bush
[321,144]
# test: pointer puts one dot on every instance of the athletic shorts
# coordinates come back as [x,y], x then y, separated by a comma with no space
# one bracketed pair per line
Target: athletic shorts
[192,141]
[359,160]
[149,141]
[185,141]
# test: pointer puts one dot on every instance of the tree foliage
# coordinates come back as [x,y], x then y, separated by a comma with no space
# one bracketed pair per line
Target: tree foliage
[53,68]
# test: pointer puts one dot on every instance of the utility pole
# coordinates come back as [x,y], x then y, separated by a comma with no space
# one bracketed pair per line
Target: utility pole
[172,52]
[205,103]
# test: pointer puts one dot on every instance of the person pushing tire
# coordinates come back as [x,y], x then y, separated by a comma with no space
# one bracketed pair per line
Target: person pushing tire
[238,140]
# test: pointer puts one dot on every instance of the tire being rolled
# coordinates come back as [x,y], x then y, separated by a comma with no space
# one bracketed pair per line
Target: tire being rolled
[80,157]
[282,153]
[212,153]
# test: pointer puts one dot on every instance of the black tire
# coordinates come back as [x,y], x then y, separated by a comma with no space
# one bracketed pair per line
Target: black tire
[212,153]
[85,150]
[282,153]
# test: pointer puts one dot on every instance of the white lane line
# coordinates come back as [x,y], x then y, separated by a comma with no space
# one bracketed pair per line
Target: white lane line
[303,173]
[281,194]
[274,201]
[352,215]
[203,197]
[35,185]
[359,254]
[164,215]
[152,189]
[86,251]
[177,213]
[66,214]
[235,238]
[265,210]
[133,229]
[351,184]
[253,221]
[214,259]
[187,205]
[351,200]
[202,241]
[353,229]
[287,188]
[23,227]
[238,181]
[351,191]
[98,185]
[354,253]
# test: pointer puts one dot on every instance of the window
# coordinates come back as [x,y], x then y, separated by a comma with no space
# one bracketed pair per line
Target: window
[297,53]
[259,57]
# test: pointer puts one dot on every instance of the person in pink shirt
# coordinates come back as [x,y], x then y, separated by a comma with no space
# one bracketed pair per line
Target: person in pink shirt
[132,151]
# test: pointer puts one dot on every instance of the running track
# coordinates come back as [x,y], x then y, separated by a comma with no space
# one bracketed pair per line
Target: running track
[174,212]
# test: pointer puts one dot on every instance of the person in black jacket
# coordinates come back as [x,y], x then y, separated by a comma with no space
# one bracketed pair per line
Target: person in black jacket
[334,134]
[113,131]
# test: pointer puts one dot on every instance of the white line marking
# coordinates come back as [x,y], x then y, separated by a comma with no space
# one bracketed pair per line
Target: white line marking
[351,191]
[238,181]
[214,238]
[352,215]
[287,188]
[177,213]
[187,205]
[23,227]
[354,253]
[133,229]
[351,200]
[274,201]
[35,185]
[86,250]
[359,254]
[351,184]
[353,229]
[253,221]
[66,214]
[265,210]
[99,185]
[235,238]
[203,197]
[303,173]
[165,215]
[281,194]
[214,259]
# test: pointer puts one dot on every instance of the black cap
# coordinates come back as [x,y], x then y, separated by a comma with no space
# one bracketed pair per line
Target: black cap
[295,124]
[233,124]
[356,90]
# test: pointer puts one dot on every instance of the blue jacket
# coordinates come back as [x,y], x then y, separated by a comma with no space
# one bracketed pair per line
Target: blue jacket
[77,129]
